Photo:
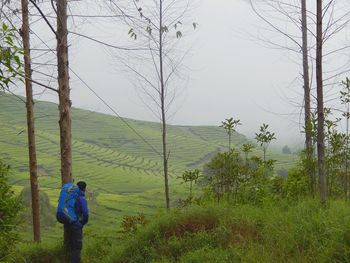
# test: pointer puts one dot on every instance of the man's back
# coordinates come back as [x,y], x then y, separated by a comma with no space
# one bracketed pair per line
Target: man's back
[81,209]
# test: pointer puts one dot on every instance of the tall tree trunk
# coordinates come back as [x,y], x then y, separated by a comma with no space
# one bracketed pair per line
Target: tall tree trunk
[320,107]
[63,92]
[346,151]
[307,106]
[30,122]
[162,99]
[64,101]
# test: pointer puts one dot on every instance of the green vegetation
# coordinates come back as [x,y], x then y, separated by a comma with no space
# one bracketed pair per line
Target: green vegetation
[231,206]
[125,187]
[9,208]
[10,62]
[273,232]
[123,173]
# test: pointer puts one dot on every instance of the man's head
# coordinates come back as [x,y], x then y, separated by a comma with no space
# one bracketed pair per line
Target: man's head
[81,185]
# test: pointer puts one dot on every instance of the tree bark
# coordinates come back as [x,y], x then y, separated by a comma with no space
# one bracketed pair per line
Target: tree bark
[320,106]
[307,101]
[30,122]
[64,93]
[162,100]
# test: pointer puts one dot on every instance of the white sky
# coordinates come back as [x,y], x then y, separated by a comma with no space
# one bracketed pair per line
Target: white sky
[230,74]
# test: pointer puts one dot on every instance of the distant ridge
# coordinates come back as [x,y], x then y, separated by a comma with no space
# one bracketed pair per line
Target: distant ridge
[102,144]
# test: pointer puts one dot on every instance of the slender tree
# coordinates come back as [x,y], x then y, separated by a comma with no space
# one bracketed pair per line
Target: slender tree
[281,7]
[230,126]
[30,122]
[64,92]
[320,103]
[156,27]
[345,100]
[307,91]
[264,138]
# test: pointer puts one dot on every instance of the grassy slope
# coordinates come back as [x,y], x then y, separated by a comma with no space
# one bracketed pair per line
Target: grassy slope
[114,161]
[278,231]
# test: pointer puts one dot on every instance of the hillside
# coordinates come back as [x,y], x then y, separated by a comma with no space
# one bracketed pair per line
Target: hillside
[103,141]
[123,172]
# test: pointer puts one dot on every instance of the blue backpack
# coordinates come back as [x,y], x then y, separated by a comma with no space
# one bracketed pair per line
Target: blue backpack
[66,204]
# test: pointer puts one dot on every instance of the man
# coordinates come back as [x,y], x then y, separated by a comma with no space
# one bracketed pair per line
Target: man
[74,231]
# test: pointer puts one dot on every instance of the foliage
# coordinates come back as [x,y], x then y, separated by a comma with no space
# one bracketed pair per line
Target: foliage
[37,253]
[278,231]
[297,184]
[191,177]
[10,62]
[131,223]
[10,206]
[232,177]
[230,126]
[246,148]
[264,137]
[120,167]
[247,179]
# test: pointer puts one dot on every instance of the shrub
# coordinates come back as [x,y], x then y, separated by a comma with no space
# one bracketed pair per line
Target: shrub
[37,253]
[10,206]
[276,231]
[297,184]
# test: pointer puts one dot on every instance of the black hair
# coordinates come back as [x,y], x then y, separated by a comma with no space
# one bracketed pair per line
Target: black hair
[81,185]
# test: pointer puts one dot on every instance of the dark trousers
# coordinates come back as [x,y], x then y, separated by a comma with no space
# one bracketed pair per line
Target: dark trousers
[73,241]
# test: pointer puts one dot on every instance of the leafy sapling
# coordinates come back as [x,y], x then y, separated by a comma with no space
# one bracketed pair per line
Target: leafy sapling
[264,138]
[345,100]
[246,149]
[10,62]
[230,126]
[190,177]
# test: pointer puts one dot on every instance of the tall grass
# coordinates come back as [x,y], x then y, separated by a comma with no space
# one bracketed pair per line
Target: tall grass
[300,232]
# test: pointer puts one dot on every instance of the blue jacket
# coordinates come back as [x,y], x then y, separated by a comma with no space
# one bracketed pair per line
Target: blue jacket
[81,210]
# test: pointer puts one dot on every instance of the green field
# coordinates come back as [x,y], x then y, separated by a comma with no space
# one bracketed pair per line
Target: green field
[121,170]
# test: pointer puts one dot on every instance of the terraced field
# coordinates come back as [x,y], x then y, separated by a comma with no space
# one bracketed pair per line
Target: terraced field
[122,171]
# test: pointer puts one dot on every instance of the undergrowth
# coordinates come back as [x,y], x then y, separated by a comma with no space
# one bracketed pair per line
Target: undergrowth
[277,231]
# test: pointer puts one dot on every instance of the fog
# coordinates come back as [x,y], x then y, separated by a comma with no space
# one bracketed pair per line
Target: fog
[229,71]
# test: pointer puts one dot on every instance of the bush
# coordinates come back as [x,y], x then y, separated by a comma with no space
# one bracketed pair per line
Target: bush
[37,253]
[10,206]
[297,184]
[279,231]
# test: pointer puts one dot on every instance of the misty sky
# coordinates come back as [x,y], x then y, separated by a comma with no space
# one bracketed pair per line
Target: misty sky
[231,73]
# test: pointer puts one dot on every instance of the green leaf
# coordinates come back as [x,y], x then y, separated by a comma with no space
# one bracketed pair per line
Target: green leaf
[17,59]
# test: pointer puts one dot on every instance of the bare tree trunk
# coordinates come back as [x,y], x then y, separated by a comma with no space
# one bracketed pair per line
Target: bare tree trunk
[346,154]
[307,106]
[320,107]
[30,122]
[63,92]
[162,99]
